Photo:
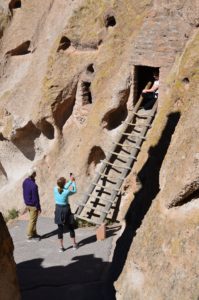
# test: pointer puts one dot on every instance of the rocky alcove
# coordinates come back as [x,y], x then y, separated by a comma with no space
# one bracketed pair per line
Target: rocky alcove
[86,92]
[90,68]
[46,128]
[109,21]
[2,137]
[24,139]
[14,4]
[64,44]
[95,156]
[113,118]
[62,108]
[22,49]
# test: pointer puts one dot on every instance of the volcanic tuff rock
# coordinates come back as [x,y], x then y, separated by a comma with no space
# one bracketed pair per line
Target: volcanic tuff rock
[68,76]
[9,288]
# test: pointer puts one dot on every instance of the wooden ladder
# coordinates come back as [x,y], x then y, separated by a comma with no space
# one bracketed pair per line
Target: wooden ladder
[100,199]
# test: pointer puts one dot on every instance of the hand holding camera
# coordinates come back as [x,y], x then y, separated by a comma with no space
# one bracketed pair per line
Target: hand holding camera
[72,178]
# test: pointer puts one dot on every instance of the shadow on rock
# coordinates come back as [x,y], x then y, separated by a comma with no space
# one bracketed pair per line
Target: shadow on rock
[149,177]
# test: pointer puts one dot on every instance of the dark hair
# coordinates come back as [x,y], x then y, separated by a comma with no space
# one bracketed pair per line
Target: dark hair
[156,73]
[61,182]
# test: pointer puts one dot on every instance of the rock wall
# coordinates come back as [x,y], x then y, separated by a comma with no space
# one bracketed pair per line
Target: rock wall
[48,75]
[9,288]
[163,217]
[67,81]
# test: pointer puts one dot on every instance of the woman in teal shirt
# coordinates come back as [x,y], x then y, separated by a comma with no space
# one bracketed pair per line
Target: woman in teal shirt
[62,209]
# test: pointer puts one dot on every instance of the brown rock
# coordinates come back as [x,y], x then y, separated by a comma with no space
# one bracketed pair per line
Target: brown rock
[9,288]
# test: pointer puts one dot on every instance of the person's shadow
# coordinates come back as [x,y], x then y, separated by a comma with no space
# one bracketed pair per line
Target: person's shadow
[110,231]
[149,177]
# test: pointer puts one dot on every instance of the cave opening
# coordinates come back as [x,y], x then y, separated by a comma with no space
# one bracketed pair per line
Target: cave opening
[143,75]
[95,156]
[14,4]
[64,43]
[22,49]
[86,93]
[90,68]
[110,21]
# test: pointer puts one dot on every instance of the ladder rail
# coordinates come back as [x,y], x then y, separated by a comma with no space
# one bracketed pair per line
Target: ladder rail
[129,163]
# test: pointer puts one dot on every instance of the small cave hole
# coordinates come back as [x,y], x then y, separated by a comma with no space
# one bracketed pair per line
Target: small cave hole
[22,49]
[113,118]
[64,43]
[86,92]
[14,4]
[95,156]
[110,21]
[2,137]
[90,68]
[46,128]
[185,80]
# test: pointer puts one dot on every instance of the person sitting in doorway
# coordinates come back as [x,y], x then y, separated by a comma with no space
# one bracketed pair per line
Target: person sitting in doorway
[151,95]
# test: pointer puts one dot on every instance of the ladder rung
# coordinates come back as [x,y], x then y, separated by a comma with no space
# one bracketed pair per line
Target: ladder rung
[88,220]
[140,116]
[133,135]
[127,146]
[115,166]
[143,116]
[107,200]
[125,156]
[139,125]
[104,187]
[92,207]
[110,177]
[96,197]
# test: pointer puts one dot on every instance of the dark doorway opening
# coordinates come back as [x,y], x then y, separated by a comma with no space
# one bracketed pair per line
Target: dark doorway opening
[86,93]
[143,75]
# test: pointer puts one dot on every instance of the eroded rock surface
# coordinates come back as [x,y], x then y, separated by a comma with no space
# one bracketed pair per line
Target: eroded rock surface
[9,288]
[68,78]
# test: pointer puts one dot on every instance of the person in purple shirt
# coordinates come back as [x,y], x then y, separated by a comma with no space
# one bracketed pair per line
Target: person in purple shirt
[32,202]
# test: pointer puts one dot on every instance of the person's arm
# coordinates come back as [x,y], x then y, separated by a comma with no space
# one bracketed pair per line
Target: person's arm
[154,88]
[73,188]
[68,184]
[35,197]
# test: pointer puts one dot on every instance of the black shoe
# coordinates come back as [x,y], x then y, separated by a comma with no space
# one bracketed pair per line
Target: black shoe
[62,249]
[33,238]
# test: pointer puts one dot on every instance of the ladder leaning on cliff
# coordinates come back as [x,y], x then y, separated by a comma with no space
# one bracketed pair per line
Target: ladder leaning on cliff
[101,198]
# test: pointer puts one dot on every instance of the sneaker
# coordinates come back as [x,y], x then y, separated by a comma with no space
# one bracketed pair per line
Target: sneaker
[61,250]
[75,247]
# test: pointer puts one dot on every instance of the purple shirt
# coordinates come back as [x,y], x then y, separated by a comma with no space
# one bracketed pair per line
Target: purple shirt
[30,193]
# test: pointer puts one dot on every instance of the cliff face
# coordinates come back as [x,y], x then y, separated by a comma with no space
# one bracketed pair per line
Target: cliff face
[162,262]
[68,76]
[66,69]
[9,288]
